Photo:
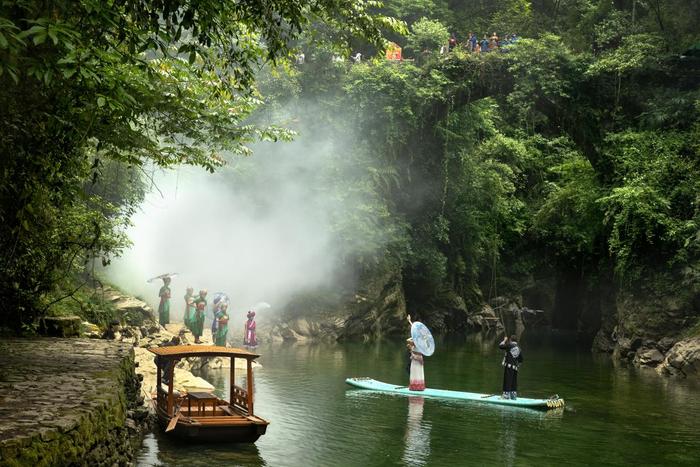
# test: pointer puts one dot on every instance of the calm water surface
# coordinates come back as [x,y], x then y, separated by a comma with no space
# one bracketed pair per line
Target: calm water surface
[614,415]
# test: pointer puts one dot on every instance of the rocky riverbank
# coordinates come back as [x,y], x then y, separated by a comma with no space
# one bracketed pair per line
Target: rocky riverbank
[87,400]
[136,326]
[68,402]
[649,325]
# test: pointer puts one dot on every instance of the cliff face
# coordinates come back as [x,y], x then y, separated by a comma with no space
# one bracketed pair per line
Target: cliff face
[374,308]
[652,324]
[649,320]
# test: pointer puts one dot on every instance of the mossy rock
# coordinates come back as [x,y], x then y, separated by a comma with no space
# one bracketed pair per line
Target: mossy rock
[61,326]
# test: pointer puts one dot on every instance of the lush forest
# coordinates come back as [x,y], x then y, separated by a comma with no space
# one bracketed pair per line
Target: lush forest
[562,168]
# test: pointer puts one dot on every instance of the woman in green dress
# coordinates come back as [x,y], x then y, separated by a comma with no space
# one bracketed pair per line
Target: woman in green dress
[164,305]
[222,328]
[200,303]
[188,316]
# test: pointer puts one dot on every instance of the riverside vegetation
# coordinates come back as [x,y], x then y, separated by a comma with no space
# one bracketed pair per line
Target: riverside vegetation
[561,173]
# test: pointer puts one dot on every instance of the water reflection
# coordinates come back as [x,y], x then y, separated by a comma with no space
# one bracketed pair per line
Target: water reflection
[622,416]
[159,450]
[417,450]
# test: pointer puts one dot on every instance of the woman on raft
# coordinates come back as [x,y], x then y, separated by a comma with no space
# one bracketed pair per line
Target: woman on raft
[416,378]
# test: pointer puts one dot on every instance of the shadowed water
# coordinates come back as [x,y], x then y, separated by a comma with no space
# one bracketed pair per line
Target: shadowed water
[614,415]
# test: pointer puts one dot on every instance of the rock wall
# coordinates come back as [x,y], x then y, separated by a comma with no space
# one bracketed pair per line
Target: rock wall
[374,308]
[649,324]
[683,359]
[68,402]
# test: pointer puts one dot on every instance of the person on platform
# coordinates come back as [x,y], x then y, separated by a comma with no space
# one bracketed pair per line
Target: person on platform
[200,303]
[484,44]
[511,361]
[473,40]
[493,42]
[222,325]
[249,338]
[164,305]
[416,378]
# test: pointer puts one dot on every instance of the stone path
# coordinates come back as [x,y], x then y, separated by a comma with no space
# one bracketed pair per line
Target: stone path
[54,389]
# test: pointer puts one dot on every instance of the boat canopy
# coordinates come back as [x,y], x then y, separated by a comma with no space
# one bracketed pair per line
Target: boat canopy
[180,351]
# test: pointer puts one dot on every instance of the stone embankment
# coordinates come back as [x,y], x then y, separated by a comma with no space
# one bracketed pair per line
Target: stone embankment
[86,401]
[68,402]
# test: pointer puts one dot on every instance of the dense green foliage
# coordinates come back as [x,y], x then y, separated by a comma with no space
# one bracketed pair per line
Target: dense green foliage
[93,91]
[571,154]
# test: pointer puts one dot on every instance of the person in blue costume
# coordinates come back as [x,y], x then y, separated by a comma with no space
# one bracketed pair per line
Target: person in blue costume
[472,41]
[512,359]
[215,311]
[485,44]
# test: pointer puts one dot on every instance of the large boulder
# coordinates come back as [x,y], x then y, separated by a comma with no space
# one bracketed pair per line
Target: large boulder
[61,326]
[649,357]
[130,310]
[184,379]
[486,320]
[683,359]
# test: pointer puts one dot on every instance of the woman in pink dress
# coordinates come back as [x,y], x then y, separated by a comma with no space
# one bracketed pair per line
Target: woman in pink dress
[249,337]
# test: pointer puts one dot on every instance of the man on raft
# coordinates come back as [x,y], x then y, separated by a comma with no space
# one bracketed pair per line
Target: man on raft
[511,360]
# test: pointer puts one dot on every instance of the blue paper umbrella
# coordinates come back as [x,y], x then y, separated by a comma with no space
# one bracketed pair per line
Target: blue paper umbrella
[221,297]
[422,338]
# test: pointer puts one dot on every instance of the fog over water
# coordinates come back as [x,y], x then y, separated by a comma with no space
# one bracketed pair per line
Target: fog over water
[259,229]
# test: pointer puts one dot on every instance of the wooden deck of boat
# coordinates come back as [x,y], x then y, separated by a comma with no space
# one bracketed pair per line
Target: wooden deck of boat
[221,417]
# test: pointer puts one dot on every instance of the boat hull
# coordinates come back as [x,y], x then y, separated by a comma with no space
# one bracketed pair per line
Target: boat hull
[201,432]
[543,404]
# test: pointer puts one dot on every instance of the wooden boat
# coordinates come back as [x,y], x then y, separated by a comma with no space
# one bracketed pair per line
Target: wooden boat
[369,383]
[203,416]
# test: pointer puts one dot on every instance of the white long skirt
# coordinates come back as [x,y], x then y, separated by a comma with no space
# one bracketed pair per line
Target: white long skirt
[416,380]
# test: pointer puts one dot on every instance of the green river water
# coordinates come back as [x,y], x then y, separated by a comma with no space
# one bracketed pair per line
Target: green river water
[614,415]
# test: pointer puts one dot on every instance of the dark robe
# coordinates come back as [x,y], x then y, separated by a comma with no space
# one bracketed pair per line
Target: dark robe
[511,360]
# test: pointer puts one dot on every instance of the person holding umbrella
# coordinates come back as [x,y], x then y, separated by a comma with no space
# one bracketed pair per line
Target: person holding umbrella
[421,336]
[164,305]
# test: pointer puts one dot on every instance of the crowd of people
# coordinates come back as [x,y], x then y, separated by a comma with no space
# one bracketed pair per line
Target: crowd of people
[475,45]
[195,315]
[472,44]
